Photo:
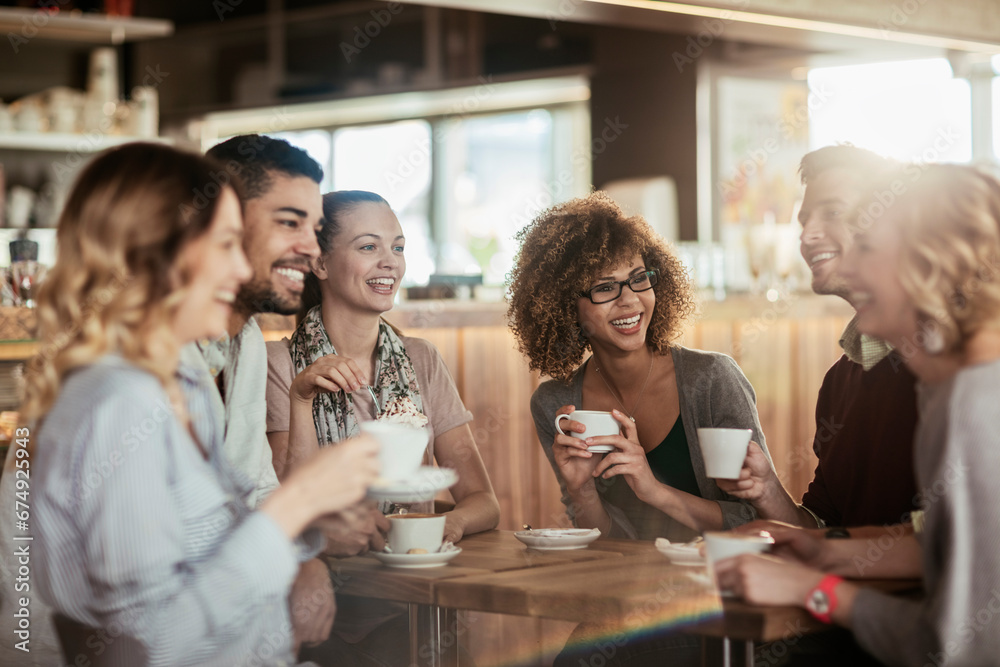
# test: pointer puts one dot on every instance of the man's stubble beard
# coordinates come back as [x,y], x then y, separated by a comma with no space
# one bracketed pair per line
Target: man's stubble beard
[260,297]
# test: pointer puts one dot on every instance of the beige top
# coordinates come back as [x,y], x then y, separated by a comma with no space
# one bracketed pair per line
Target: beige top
[442,404]
[444,409]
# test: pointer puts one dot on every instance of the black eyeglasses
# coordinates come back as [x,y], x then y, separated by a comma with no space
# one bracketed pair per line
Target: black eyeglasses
[606,292]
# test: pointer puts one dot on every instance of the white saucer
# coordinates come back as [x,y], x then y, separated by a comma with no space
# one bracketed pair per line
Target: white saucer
[416,560]
[554,539]
[601,449]
[422,486]
[680,553]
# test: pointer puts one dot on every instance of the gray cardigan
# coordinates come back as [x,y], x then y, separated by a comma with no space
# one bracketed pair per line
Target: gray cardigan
[713,392]
[957,459]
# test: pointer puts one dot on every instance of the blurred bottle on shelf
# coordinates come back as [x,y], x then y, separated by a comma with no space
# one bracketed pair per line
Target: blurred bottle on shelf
[20,204]
[25,271]
[102,77]
[119,7]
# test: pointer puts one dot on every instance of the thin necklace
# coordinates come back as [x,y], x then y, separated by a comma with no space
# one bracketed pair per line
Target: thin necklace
[614,394]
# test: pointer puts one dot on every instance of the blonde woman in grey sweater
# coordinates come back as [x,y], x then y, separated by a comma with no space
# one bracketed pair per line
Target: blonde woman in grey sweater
[925,276]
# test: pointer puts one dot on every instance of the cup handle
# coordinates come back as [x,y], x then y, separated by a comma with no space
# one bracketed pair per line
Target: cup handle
[558,419]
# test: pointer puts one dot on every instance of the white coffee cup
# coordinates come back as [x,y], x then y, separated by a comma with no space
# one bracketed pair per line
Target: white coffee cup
[401,448]
[415,531]
[722,545]
[597,422]
[724,450]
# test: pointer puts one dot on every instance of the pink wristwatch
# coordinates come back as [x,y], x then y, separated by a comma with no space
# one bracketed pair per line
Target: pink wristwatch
[822,601]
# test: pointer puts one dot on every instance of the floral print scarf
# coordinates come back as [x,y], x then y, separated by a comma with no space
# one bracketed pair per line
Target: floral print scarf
[334,414]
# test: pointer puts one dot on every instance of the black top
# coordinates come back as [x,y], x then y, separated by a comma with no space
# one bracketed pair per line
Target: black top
[670,461]
[865,423]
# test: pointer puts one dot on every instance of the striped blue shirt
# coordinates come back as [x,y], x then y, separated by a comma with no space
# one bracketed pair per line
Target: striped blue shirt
[137,530]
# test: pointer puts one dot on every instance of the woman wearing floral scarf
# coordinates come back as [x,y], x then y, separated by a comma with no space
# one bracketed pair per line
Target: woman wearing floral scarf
[342,346]
[321,386]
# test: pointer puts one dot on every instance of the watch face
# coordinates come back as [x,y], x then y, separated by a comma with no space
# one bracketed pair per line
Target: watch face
[819,602]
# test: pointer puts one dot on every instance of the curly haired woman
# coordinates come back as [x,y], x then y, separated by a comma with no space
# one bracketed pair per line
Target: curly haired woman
[590,278]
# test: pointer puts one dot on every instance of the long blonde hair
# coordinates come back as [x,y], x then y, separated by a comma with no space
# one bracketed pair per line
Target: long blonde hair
[950,255]
[112,288]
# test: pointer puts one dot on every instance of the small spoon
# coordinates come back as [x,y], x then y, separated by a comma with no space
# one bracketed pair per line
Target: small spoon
[378,408]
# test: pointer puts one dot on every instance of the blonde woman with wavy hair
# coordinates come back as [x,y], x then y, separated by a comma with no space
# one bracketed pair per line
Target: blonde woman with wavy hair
[949,269]
[140,524]
[924,275]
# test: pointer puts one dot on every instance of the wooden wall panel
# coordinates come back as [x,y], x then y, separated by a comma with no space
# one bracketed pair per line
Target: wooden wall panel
[818,350]
[715,335]
[765,357]
[784,359]
[498,389]
[449,343]
[784,348]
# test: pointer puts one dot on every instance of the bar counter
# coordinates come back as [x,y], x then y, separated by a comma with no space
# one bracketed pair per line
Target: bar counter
[784,348]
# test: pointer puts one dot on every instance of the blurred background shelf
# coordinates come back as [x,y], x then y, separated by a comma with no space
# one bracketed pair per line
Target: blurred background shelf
[86,28]
[17,350]
[60,142]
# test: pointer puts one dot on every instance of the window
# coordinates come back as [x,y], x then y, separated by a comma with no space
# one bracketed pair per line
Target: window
[499,169]
[461,185]
[463,168]
[914,110]
[393,160]
[317,144]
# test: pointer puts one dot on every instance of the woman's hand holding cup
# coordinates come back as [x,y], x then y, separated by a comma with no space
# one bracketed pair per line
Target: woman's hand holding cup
[628,460]
[336,478]
[593,422]
[576,464]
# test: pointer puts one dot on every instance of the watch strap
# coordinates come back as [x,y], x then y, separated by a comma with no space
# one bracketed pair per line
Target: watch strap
[822,600]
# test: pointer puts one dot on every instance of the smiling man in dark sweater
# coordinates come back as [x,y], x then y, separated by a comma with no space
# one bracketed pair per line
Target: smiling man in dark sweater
[867,408]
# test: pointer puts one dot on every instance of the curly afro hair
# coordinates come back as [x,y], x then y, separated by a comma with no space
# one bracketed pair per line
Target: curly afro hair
[562,252]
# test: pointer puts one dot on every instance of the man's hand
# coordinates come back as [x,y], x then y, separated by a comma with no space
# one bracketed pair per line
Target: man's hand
[312,604]
[757,478]
[353,531]
[766,580]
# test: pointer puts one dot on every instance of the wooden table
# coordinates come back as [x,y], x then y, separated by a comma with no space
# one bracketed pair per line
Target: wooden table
[622,584]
